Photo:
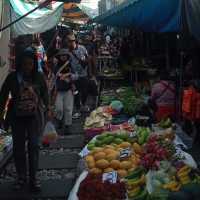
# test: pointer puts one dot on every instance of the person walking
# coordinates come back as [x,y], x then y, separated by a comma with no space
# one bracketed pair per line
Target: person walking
[79,61]
[65,76]
[28,91]
[40,52]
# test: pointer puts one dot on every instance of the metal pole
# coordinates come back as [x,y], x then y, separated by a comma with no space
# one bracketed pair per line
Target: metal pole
[180,86]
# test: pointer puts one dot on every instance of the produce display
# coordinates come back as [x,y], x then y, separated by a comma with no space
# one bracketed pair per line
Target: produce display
[146,160]
[93,188]
[131,101]
[107,138]
[113,157]
[97,119]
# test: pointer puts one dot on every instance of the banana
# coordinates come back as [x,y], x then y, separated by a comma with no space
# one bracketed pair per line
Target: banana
[143,179]
[185,168]
[176,189]
[172,184]
[134,192]
[185,180]
[184,173]
[136,174]
[135,183]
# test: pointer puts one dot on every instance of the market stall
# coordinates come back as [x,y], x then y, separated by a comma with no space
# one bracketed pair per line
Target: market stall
[133,158]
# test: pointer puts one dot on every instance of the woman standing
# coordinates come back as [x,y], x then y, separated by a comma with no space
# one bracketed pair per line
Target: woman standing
[163,95]
[28,90]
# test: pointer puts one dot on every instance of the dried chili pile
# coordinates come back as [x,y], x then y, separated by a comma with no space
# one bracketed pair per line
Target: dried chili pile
[93,188]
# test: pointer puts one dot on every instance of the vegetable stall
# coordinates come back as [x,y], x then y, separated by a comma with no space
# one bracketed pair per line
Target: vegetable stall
[128,158]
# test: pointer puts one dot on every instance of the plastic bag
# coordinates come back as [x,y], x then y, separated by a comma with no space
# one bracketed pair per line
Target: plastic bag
[117,106]
[50,134]
[74,191]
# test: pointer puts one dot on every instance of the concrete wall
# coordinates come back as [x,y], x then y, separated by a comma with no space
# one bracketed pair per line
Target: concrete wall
[4,42]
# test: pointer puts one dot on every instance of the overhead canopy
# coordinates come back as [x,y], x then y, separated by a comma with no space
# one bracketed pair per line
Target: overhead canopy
[39,21]
[155,16]
[73,12]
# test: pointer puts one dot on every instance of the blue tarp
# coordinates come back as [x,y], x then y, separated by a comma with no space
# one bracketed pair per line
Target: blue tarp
[155,15]
[151,16]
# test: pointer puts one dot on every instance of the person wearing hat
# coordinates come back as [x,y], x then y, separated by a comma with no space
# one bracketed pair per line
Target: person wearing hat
[65,88]
[79,62]
[28,91]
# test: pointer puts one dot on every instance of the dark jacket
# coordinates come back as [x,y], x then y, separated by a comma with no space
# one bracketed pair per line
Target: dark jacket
[61,85]
[11,85]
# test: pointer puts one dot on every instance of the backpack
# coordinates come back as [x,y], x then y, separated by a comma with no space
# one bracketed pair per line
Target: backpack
[27,100]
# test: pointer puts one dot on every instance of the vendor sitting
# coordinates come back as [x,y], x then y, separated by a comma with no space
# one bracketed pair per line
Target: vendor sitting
[163,96]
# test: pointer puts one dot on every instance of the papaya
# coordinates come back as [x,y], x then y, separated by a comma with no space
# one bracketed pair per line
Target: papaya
[125,165]
[95,171]
[115,164]
[122,173]
[102,164]
[99,155]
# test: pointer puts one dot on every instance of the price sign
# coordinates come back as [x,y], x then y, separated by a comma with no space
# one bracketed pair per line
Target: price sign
[84,152]
[124,153]
[133,134]
[110,176]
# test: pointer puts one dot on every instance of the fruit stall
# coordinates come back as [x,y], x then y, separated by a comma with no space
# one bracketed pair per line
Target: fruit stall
[126,159]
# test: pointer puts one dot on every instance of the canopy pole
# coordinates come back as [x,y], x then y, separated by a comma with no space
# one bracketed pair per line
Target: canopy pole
[180,89]
[23,16]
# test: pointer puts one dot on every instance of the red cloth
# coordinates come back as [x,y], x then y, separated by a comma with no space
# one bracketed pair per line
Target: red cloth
[164,112]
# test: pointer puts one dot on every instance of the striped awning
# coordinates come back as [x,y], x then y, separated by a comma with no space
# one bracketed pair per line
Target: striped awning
[74,12]
[39,21]
[21,8]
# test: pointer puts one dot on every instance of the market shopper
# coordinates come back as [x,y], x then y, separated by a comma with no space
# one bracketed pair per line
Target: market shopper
[50,79]
[29,95]
[65,89]
[163,97]
[40,52]
[79,62]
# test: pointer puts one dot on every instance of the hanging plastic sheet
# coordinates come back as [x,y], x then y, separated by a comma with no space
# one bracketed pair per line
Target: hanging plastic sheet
[37,22]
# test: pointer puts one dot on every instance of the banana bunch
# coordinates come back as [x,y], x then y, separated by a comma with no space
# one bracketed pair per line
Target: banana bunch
[135,182]
[172,185]
[183,175]
[142,134]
